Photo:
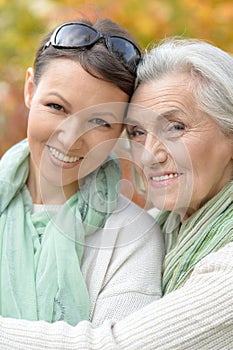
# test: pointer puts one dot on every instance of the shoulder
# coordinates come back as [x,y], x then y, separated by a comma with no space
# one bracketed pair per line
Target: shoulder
[133,221]
[131,212]
[129,224]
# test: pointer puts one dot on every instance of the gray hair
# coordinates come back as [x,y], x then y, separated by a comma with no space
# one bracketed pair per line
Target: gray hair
[210,68]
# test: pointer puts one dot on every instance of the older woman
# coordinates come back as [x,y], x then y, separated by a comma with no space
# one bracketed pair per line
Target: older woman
[180,126]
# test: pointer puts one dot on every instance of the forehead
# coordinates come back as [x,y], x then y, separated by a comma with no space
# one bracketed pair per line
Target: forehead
[76,85]
[168,97]
[173,90]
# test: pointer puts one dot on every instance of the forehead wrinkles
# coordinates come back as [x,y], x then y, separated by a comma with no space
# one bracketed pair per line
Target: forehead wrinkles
[161,96]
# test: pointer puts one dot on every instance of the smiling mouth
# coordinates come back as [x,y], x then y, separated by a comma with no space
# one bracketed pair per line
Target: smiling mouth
[63,157]
[164,177]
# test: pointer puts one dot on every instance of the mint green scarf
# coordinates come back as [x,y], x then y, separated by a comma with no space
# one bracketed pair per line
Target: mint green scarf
[40,276]
[207,230]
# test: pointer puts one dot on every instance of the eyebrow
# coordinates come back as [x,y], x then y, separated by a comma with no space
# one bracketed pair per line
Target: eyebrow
[103,114]
[55,93]
[172,111]
[166,114]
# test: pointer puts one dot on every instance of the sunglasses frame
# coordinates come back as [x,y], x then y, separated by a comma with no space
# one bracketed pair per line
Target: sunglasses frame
[99,35]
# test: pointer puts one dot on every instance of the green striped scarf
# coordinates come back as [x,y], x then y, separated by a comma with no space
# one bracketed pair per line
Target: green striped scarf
[207,230]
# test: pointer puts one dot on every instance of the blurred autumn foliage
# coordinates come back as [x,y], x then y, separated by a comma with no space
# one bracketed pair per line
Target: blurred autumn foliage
[23,23]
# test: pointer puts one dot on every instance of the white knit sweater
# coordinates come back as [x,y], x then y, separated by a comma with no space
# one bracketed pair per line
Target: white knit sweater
[198,316]
[122,263]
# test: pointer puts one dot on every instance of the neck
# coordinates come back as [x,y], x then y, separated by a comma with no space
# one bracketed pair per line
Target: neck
[43,191]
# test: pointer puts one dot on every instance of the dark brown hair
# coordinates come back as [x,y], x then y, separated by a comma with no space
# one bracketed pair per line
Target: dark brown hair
[95,59]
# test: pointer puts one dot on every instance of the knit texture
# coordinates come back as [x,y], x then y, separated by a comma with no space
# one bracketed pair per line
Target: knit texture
[130,240]
[196,316]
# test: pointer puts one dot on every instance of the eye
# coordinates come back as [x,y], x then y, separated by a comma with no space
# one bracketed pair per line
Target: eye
[136,134]
[100,122]
[56,106]
[177,126]
[174,129]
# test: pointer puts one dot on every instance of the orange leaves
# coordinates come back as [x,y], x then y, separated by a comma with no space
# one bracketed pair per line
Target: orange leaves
[13,116]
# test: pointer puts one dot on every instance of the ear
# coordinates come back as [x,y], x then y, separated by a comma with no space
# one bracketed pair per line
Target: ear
[29,87]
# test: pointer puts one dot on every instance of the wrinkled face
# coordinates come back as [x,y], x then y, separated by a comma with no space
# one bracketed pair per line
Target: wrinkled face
[185,157]
[74,121]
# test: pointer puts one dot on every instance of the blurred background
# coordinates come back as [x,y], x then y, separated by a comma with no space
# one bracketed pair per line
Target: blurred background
[24,22]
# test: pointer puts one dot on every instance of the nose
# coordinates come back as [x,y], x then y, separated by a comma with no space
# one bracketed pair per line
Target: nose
[154,151]
[70,134]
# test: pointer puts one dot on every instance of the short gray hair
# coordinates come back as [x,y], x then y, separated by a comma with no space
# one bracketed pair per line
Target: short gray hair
[210,68]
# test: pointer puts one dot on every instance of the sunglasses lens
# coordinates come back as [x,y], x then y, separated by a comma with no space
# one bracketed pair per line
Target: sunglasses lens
[125,51]
[75,36]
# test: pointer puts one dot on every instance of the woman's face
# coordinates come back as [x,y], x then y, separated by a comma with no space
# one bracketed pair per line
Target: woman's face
[74,121]
[183,154]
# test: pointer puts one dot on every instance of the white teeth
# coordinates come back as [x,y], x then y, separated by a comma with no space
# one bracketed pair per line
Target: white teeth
[163,177]
[63,157]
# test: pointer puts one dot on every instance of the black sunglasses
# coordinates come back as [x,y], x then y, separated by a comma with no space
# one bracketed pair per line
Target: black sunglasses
[77,35]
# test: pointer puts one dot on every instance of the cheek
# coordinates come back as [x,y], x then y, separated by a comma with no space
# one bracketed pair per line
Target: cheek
[136,151]
[182,156]
[102,141]
[39,132]
[100,149]
[40,125]
[202,160]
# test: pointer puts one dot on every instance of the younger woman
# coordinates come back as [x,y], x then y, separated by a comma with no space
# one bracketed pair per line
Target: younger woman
[71,247]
